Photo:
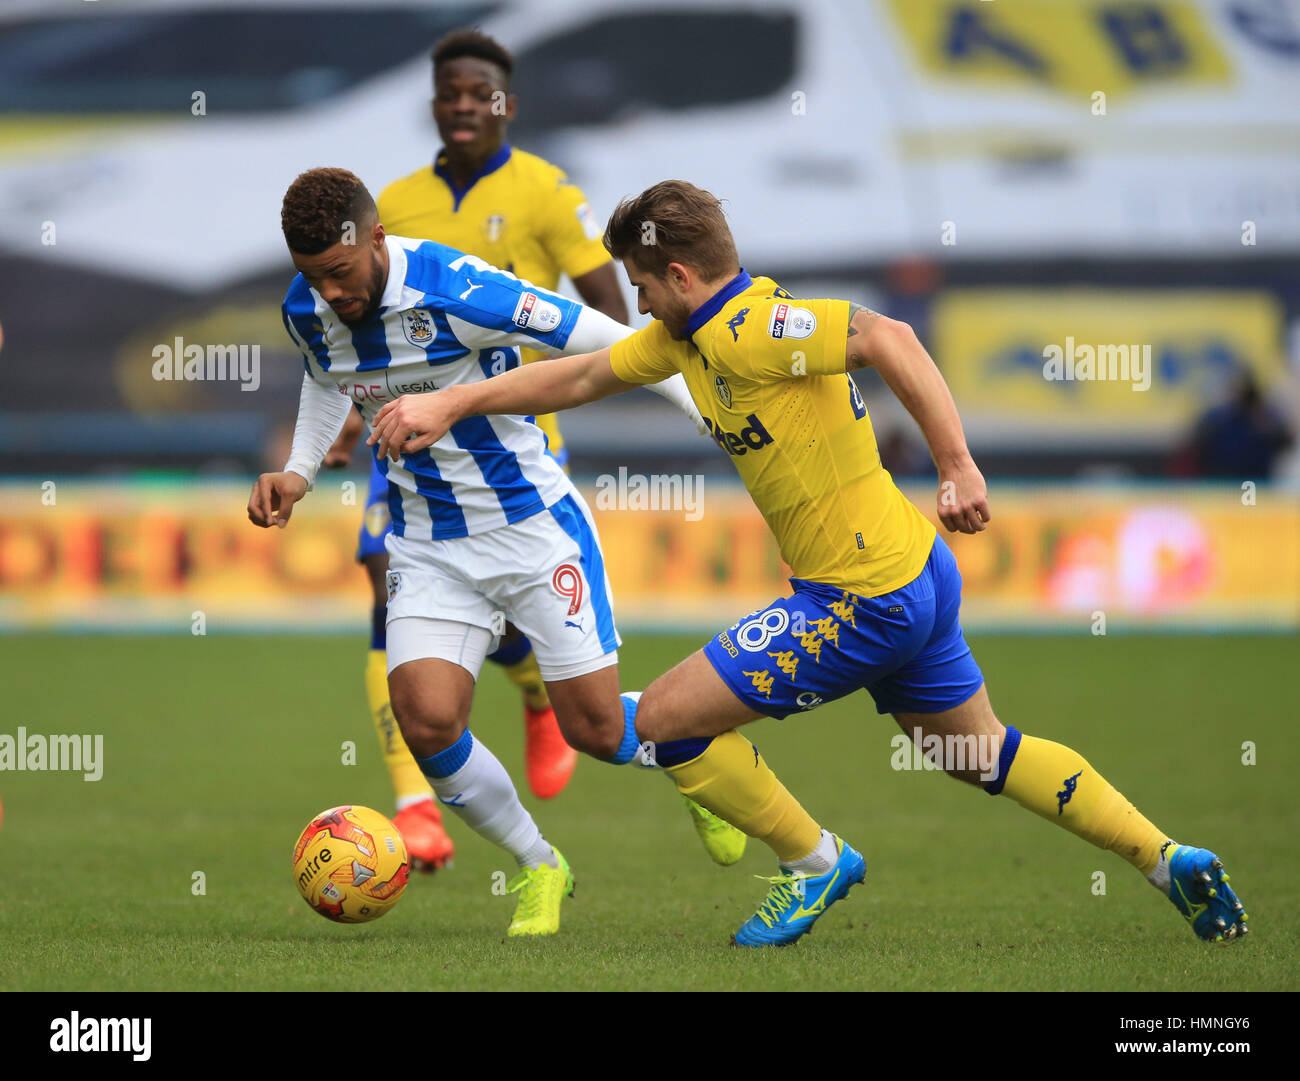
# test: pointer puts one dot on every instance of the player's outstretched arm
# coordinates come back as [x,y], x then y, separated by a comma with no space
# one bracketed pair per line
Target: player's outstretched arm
[321,416]
[892,348]
[415,421]
[595,331]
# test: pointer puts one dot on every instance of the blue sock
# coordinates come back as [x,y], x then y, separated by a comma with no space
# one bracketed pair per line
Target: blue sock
[676,751]
[513,653]
[1010,745]
[628,748]
[449,759]
[379,626]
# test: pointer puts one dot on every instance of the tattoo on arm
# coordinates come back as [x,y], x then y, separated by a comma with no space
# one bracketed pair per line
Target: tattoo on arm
[855,357]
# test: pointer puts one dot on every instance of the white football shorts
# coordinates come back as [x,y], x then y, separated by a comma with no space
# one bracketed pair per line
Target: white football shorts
[545,574]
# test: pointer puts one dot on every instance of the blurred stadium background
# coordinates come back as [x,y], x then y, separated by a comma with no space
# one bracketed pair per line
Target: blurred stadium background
[1005,176]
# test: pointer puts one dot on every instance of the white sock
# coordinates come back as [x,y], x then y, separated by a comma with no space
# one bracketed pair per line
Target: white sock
[483,795]
[1159,876]
[819,861]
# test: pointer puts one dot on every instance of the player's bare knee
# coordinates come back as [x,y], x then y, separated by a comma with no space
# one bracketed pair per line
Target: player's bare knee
[598,733]
[427,727]
[596,739]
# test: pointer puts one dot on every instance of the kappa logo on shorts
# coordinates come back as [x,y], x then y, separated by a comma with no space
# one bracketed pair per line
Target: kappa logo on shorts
[394,583]
[567,582]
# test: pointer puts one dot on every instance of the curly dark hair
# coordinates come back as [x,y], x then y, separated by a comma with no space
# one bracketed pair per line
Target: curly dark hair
[316,206]
[476,44]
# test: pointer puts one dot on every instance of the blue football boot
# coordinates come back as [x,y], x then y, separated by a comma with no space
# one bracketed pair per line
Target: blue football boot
[795,901]
[1199,890]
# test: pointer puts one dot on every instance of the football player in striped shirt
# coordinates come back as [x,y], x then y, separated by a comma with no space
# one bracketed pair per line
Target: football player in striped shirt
[520,213]
[876,591]
[486,525]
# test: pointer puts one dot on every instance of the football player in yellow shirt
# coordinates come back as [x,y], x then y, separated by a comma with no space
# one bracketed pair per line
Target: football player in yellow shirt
[520,213]
[876,590]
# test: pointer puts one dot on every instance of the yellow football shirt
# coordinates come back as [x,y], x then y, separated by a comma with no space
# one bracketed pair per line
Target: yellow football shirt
[520,213]
[766,372]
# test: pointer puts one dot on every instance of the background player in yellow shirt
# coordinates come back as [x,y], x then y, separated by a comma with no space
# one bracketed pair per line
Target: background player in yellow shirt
[520,213]
[876,590]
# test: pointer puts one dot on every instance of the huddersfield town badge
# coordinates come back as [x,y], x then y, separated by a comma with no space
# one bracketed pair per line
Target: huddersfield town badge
[417,325]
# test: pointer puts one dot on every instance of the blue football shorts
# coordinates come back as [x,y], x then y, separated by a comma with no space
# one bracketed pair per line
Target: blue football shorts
[376,522]
[906,647]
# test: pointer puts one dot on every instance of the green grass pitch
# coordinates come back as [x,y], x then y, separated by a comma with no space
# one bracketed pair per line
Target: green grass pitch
[218,750]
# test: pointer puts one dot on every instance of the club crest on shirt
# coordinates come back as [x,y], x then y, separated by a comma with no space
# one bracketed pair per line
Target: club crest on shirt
[723,390]
[494,228]
[417,325]
[534,313]
[791,322]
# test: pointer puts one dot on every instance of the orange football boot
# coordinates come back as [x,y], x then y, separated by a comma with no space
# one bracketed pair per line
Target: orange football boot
[550,760]
[427,843]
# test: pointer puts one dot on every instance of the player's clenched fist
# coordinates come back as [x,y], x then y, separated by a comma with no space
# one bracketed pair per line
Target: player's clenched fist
[963,499]
[273,498]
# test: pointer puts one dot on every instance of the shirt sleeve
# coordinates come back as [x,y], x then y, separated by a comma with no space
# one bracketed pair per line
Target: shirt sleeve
[487,307]
[321,413]
[648,356]
[792,338]
[570,231]
[593,331]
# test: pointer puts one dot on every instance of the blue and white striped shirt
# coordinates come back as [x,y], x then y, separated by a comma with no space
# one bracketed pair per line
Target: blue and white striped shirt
[444,318]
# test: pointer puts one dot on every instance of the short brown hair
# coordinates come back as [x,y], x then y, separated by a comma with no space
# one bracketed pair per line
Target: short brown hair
[316,206]
[673,222]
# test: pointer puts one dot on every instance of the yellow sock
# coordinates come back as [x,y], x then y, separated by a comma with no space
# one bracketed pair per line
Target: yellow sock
[408,782]
[1057,783]
[731,779]
[528,678]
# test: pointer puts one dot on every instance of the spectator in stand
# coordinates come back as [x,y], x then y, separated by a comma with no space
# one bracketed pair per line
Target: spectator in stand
[1241,437]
